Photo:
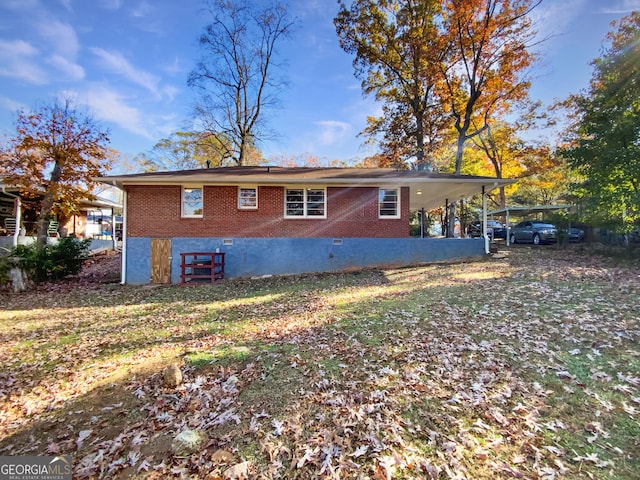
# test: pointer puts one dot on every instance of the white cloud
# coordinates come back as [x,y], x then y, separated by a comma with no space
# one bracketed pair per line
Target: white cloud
[61,36]
[170,92]
[10,104]
[555,17]
[332,131]
[116,63]
[174,67]
[111,4]
[18,5]
[142,10]
[108,105]
[62,40]
[621,7]
[70,69]
[18,59]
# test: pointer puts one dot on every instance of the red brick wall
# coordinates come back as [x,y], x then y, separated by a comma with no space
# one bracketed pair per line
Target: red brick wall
[154,211]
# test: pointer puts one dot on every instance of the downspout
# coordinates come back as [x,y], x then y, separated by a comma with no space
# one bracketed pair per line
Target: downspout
[123,268]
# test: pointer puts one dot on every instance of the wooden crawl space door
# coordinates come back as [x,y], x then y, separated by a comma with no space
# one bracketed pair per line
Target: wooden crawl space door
[160,260]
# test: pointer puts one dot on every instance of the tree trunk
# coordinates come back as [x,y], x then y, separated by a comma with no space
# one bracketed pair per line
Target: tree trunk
[452,206]
[43,218]
[420,161]
[17,279]
[47,205]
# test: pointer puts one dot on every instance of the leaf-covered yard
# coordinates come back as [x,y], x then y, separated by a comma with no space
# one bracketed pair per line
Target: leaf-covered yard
[526,365]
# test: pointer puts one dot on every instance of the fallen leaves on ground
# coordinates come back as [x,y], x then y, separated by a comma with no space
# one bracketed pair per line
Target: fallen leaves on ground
[523,366]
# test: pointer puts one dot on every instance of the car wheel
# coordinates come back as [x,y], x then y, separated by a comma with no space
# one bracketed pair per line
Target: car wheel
[512,238]
[536,239]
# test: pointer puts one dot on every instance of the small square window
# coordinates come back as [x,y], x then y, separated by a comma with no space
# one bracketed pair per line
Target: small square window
[192,201]
[247,198]
[389,203]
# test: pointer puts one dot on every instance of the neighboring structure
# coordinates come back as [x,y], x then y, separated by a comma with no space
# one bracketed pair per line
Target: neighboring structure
[275,220]
[93,220]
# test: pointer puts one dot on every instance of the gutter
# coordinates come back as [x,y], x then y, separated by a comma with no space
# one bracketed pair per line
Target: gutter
[123,266]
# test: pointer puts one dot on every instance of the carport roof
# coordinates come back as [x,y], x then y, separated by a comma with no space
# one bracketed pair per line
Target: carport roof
[530,209]
[428,190]
[97,202]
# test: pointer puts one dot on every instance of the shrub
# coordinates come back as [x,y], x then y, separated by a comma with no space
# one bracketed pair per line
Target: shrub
[53,262]
[5,265]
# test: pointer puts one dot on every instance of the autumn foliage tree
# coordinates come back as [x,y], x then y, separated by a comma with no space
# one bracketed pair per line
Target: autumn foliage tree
[394,44]
[604,139]
[184,151]
[488,44]
[506,154]
[54,155]
[437,66]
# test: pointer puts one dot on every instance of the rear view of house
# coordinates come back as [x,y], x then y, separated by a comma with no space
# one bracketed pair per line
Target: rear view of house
[274,220]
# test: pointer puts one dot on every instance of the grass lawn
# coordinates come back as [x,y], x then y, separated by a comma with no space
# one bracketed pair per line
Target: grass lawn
[524,365]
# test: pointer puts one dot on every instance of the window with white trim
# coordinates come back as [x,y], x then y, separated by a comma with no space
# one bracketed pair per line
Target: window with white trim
[389,203]
[192,201]
[305,202]
[247,198]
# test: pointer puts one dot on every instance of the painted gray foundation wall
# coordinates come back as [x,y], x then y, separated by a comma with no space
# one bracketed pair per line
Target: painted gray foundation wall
[248,257]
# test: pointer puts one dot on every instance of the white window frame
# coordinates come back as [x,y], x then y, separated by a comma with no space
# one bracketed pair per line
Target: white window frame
[305,202]
[398,211]
[247,187]
[182,202]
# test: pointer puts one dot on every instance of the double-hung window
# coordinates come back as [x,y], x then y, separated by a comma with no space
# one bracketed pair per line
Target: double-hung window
[192,202]
[305,202]
[389,203]
[247,198]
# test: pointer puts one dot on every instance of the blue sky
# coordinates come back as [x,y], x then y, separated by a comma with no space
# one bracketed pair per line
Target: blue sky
[128,61]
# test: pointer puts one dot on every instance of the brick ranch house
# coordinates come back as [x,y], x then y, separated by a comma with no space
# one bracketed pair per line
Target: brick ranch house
[276,220]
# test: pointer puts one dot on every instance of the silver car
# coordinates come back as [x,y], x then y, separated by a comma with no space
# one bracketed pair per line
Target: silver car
[531,231]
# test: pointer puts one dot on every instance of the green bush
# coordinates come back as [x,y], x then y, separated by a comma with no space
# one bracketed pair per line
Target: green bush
[6,264]
[53,262]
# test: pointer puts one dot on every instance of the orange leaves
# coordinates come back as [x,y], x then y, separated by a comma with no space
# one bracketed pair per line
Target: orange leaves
[56,152]
[436,66]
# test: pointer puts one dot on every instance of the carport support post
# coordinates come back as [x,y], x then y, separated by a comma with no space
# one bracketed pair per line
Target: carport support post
[18,215]
[446,217]
[113,229]
[508,227]
[484,223]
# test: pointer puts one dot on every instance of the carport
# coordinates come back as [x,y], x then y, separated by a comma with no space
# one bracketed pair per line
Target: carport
[525,211]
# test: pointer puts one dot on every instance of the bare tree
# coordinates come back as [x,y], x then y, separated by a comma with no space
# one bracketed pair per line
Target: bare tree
[235,76]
